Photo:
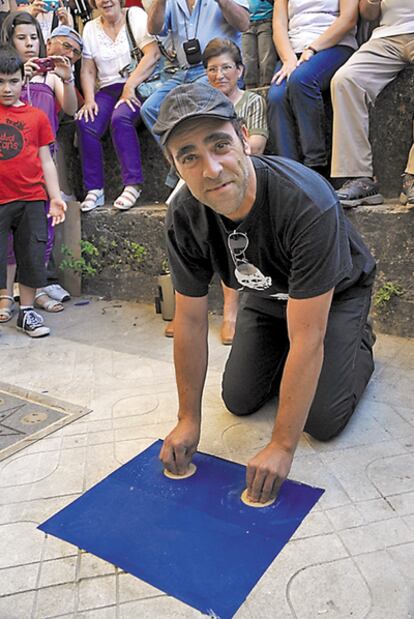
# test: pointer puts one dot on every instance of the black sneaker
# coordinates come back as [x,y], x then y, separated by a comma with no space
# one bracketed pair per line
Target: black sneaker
[31,323]
[407,189]
[359,192]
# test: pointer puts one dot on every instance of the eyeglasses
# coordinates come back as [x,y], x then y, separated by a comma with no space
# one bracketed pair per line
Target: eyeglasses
[245,272]
[225,69]
[69,48]
[238,243]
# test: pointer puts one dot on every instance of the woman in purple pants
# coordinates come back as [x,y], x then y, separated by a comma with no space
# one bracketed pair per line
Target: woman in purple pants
[106,53]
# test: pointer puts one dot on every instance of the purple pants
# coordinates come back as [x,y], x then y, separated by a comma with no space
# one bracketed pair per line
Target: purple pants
[49,245]
[124,139]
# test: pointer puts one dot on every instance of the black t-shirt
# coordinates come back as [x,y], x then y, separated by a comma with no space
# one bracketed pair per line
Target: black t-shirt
[294,242]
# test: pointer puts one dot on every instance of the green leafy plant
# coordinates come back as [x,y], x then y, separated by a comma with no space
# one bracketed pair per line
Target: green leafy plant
[135,252]
[386,292]
[165,267]
[86,264]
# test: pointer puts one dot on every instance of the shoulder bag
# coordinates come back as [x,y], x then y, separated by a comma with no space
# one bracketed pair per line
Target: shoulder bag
[165,68]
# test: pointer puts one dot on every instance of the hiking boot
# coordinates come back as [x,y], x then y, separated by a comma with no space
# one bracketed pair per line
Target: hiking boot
[31,323]
[359,191]
[407,189]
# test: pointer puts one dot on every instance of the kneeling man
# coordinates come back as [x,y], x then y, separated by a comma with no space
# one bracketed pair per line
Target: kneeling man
[273,229]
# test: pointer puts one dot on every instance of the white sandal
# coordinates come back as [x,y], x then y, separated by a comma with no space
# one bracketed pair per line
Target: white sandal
[128,198]
[46,303]
[6,313]
[94,198]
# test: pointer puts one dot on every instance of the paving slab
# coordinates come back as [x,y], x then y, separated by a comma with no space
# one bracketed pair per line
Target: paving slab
[351,557]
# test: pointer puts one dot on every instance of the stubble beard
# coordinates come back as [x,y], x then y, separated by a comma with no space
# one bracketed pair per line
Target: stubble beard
[222,206]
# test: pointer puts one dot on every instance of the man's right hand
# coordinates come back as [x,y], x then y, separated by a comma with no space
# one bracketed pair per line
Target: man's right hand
[180,446]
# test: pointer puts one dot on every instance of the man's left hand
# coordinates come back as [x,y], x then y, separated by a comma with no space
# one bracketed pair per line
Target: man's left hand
[267,471]
[62,67]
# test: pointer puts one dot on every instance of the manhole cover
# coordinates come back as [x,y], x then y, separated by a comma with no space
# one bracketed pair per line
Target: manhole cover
[34,418]
[27,416]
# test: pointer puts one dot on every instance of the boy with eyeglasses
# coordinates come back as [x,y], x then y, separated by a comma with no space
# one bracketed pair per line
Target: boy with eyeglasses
[273,229]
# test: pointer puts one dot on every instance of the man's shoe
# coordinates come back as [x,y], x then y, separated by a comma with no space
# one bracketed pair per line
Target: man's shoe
[56,292]
[227,330]
[407,189]
[358,192]
[169,329]
[31,323]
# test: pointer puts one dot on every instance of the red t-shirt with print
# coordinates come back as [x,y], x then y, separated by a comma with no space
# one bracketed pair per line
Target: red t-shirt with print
[23,130]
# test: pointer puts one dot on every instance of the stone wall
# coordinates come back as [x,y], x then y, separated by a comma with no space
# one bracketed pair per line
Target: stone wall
[131,244]
[131,255]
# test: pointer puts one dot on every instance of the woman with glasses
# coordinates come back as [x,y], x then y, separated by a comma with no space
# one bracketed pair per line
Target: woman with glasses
[313,38]
[223,63]
[105,63]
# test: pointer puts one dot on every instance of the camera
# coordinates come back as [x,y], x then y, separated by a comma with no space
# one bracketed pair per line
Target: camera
[51,5]
[45,64]
[192,51]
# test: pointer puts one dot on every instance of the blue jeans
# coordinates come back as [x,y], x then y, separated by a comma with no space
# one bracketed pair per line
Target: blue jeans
[151,107]
[296,108]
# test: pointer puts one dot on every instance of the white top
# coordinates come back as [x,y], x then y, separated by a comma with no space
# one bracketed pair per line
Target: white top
[112,56]
[397,17]
[308,19]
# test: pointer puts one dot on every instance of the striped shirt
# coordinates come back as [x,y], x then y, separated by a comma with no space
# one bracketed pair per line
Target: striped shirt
[251,108]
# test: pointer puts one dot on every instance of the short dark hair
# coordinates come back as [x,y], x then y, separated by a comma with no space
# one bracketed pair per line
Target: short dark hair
[21,18]
[217,47]
[10,61]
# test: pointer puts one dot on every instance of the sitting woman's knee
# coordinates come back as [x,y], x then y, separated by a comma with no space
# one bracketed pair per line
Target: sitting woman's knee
[275,94]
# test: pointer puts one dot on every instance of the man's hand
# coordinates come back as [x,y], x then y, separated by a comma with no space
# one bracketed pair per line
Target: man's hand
[180,445]
[267,471]
[57,211]
[63,67]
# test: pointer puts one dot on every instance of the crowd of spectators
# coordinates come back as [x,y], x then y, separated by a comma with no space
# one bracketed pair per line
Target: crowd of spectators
[301,49]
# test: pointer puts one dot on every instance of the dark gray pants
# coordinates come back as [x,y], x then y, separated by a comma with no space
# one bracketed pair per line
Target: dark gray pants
[260,347]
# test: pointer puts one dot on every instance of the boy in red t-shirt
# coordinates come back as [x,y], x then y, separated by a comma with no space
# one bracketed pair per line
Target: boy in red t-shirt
[27,177]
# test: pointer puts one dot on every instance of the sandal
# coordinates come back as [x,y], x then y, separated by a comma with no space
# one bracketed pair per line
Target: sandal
[128,198]
[7,312]
[44,302]
[94,198]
